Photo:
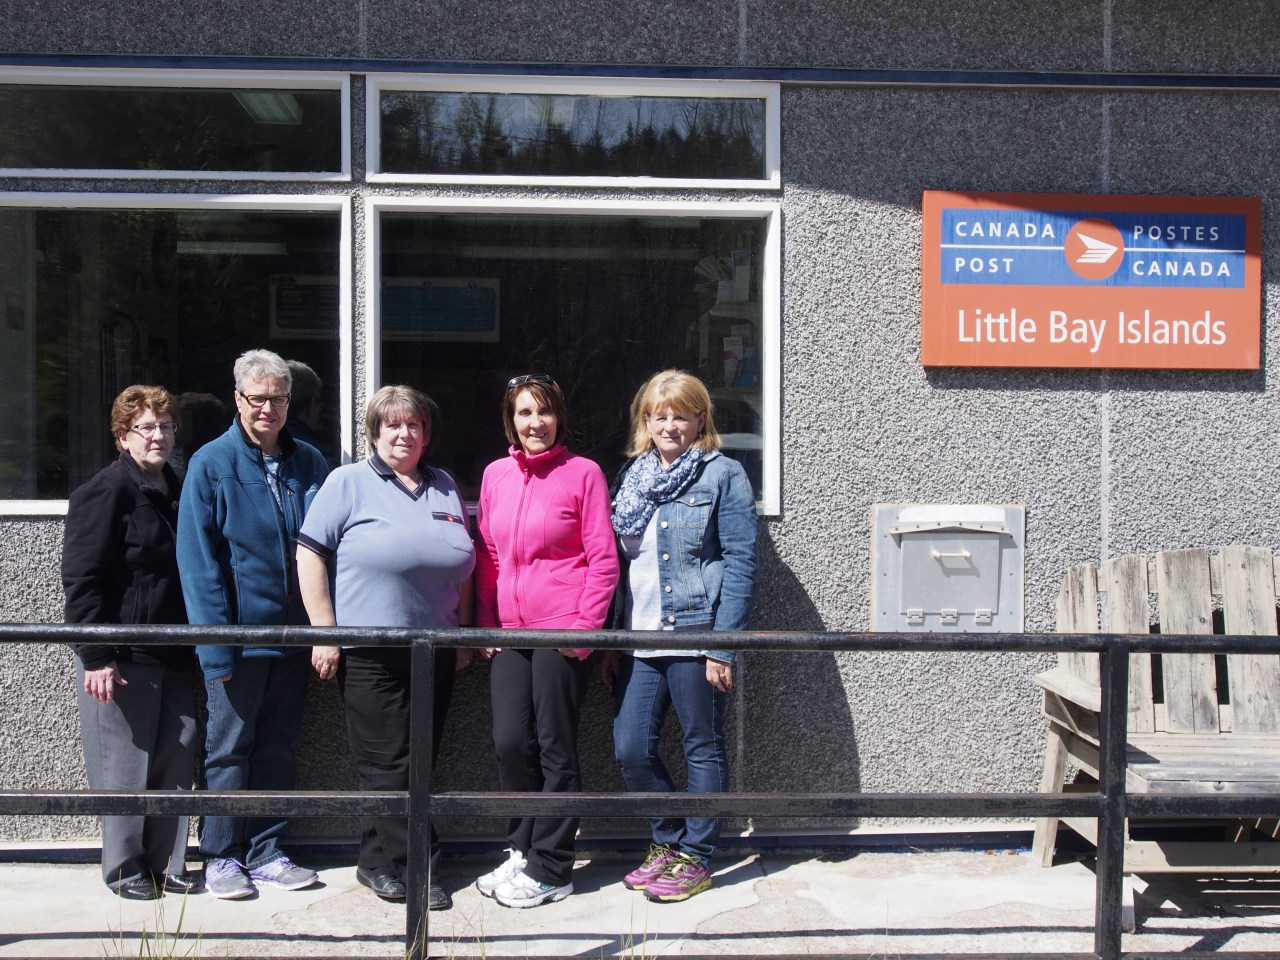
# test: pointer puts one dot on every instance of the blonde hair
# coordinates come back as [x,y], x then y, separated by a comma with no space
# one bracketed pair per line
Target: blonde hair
[683,393]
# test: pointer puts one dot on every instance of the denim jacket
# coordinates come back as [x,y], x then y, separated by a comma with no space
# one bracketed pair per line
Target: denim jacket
[709,534]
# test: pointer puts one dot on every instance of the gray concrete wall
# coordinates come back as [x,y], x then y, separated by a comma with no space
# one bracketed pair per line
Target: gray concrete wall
[1163,36]
[1106,462]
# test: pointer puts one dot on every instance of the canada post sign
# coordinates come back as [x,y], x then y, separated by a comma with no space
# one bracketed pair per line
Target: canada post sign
[1063,280]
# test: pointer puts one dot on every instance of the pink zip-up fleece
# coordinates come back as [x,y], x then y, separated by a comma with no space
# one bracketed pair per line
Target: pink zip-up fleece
[547,557]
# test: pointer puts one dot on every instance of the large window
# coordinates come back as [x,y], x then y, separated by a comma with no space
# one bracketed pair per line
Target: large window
[619,133]
[598,296]
[110,292]
[173,124]
[101,288]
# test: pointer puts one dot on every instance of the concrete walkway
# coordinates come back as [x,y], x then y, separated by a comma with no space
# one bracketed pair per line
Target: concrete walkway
[873,904]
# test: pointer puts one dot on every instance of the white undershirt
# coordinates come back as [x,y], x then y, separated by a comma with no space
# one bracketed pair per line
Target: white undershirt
[644,589]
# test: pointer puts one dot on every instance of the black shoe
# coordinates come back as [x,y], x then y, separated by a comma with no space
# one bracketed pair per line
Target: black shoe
[183,883]
[139,888]
[385,885]
[437,898]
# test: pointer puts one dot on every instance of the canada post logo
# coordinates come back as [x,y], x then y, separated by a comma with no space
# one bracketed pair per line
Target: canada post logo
[1091,249]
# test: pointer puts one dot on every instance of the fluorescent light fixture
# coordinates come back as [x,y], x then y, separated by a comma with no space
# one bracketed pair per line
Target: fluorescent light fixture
[232,247]
[267,106]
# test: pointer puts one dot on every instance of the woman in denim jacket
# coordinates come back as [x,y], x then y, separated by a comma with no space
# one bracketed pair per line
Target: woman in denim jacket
[685,517]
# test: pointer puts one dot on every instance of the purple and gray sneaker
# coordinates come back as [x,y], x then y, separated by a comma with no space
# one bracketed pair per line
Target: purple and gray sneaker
[654,866]
[684,876]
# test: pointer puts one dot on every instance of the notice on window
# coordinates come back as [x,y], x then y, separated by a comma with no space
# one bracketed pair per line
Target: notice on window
[303,307]
[1073,280]
[440,308]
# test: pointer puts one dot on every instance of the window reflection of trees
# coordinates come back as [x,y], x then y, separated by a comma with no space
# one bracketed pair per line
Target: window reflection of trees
[552,135]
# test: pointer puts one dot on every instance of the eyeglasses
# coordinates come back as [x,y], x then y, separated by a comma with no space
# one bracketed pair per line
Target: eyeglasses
[257,401]
[146,430]
[530,378]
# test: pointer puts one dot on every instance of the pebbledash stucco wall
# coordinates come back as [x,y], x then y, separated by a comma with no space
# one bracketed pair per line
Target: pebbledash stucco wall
[1106,462]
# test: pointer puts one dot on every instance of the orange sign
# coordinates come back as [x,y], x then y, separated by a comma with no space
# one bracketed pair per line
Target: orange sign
[1078,280]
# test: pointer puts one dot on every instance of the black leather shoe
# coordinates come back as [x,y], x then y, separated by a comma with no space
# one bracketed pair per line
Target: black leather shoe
[437,898]
[183,883]
[385,885]
[139,888]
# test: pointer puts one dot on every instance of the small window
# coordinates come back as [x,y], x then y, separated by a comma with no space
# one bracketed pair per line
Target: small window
[651,134]
[98,298]
[109,125]
[600,297]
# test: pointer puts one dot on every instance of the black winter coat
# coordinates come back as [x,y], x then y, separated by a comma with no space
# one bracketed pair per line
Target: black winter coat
[119,561]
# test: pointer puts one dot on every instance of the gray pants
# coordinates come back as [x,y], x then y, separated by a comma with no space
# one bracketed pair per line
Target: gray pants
[145,739]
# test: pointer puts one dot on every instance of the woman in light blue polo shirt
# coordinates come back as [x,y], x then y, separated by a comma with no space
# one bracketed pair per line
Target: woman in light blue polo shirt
[387,544]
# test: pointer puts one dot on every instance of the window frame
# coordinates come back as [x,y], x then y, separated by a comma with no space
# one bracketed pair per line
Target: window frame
[770,502]
[284,203]
[196,80]
[377,83]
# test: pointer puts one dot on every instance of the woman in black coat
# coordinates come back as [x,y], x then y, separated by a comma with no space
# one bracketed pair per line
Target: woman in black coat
[137,703]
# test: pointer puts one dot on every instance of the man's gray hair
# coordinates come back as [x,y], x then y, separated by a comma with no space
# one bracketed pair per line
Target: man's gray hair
[259,365]
[306,383]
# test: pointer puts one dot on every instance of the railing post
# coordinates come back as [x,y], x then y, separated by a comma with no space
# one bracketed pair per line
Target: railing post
[422,680]
[1112,741]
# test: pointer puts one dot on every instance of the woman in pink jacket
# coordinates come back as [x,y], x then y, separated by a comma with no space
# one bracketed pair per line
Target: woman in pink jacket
[546,560]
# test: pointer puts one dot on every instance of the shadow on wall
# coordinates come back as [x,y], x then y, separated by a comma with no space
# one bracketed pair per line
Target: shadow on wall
[795,730]
[790,730]
[323,760]
[468,762]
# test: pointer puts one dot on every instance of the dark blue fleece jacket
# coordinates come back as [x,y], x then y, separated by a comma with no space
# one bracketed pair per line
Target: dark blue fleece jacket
[236,543]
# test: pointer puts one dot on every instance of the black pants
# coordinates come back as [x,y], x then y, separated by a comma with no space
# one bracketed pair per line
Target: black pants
[537,699]
[374,685]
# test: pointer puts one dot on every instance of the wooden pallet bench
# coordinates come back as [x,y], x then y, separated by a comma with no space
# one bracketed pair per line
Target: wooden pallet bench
[1198,723]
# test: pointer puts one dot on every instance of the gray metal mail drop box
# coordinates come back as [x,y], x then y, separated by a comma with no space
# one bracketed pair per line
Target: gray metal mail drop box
[947,567]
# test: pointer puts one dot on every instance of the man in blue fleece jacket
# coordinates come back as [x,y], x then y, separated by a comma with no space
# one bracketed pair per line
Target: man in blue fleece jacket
[243,500]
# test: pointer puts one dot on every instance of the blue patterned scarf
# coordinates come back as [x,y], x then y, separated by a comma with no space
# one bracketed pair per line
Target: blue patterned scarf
[646,485]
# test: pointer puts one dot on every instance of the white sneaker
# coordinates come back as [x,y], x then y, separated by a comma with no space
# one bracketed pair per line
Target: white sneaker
[494,879]
[524,891]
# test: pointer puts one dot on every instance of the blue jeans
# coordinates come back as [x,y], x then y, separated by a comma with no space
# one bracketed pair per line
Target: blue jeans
[255,720]
[645,689]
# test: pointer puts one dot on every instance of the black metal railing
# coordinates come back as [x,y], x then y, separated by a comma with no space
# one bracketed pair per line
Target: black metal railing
[1110,804]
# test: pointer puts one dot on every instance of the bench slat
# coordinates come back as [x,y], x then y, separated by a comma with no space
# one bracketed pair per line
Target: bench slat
[1078,613]
[1249,607]
[1186,606]
[1206,784]
[1168,767]
[1127,612]
[1067,685]
[1205,743]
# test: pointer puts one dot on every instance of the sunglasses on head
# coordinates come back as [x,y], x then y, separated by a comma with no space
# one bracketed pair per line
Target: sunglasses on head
[530,378]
